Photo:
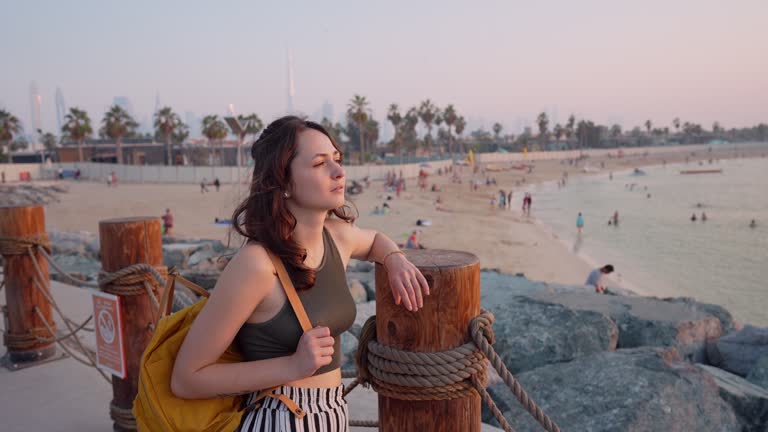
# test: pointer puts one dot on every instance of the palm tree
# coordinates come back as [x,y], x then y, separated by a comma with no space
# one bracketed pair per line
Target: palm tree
[569,126]
[357,109]
[371,132]
[648,125]
[116,124]
[411,120]
[543,123]
[394,117]
[253,125]
[427,113]
[9,126]
[166,123]
[496,131]
[77,127]
[450,117]
[461,124]
[616,130]
[49,141]
[558,131]
[676,124]
[334,130]
[214,129]
[438,121]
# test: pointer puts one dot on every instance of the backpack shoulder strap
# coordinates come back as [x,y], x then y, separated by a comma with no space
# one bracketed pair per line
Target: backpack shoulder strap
[290,292]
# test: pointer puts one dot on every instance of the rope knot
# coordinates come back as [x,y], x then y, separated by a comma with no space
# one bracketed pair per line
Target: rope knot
[20,245]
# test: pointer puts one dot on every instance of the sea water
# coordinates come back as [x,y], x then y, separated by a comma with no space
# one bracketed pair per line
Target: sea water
[656,249]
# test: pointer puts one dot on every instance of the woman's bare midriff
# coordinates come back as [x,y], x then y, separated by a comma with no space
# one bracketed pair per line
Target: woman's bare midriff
[329,379]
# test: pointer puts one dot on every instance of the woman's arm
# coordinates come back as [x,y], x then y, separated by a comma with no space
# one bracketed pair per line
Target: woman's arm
[405,279]
[246,281]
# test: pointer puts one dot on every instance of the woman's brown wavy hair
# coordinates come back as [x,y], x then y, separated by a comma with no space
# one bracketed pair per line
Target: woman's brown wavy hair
[263,217]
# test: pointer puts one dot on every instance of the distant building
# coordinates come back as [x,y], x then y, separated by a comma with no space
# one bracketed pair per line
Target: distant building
[124,103]
[327,111]
[142,151]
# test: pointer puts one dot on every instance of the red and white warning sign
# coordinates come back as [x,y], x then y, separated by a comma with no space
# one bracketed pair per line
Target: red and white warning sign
[110,352]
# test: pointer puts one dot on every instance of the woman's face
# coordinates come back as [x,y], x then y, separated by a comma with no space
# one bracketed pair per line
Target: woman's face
[317,177]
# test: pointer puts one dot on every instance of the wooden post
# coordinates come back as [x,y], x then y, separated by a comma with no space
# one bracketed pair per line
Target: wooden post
[124,242]
[454,282]
[21,294]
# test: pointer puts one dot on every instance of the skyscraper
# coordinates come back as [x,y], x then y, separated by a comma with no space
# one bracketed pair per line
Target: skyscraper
[124,103]
[327,111]
[35,101]
[61,109]
[291,91]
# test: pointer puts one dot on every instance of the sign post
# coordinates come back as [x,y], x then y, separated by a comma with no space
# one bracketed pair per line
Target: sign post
[110,350]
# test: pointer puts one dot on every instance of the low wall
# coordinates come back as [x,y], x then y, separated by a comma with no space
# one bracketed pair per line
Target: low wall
[228,174]
[12,171]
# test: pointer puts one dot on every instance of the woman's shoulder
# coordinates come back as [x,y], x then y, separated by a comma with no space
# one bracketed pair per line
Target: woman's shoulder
[251,259]
[338,227]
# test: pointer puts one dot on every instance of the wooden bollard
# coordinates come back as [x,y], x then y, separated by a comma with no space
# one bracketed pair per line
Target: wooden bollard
[124,242]
[21,294]
[454,300]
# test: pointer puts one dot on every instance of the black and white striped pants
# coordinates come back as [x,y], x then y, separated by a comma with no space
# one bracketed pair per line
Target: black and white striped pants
[325,407]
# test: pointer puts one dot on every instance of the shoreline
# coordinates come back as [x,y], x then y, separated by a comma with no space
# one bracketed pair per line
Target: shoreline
[502,239]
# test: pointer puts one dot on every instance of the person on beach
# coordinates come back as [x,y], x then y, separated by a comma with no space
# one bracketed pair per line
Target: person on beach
[703,217]
[114,179]
[296,209]
[595,278]
[217,184]
[579,223]
[167,222]
[203,186]
[693,217]
[753,224]
[413,241]
[616,218]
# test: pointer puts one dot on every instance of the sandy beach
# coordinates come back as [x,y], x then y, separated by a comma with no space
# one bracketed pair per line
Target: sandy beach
[502,239]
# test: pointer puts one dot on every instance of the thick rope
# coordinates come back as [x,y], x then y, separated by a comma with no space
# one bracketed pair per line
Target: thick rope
[135,279]
[91,362]
[23,341]
[122,417]
[43,287]
[19,245]
[479,327]
[449,374]
[74,281]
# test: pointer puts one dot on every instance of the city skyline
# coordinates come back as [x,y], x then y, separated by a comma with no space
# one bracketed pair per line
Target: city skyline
[504,62]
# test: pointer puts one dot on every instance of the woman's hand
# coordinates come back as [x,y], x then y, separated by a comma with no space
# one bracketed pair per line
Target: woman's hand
[406,281]
[314,351]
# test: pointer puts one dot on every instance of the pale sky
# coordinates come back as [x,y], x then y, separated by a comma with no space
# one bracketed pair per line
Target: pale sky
[506,61]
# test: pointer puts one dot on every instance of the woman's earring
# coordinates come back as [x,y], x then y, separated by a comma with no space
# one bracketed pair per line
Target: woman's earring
[286,194]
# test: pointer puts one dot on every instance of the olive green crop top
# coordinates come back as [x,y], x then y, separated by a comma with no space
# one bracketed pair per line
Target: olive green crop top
[328,303]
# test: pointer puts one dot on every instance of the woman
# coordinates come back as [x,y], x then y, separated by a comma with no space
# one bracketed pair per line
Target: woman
[297,189]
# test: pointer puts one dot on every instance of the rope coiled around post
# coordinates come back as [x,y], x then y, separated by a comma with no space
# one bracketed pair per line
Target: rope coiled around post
[20,245]
[135,279]
[450,374]
[122,417]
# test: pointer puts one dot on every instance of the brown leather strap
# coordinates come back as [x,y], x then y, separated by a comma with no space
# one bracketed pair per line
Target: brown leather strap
[166,301]
[290,292]
[268,393]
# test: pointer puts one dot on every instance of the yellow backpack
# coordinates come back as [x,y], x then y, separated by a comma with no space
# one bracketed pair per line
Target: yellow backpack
[156,408]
